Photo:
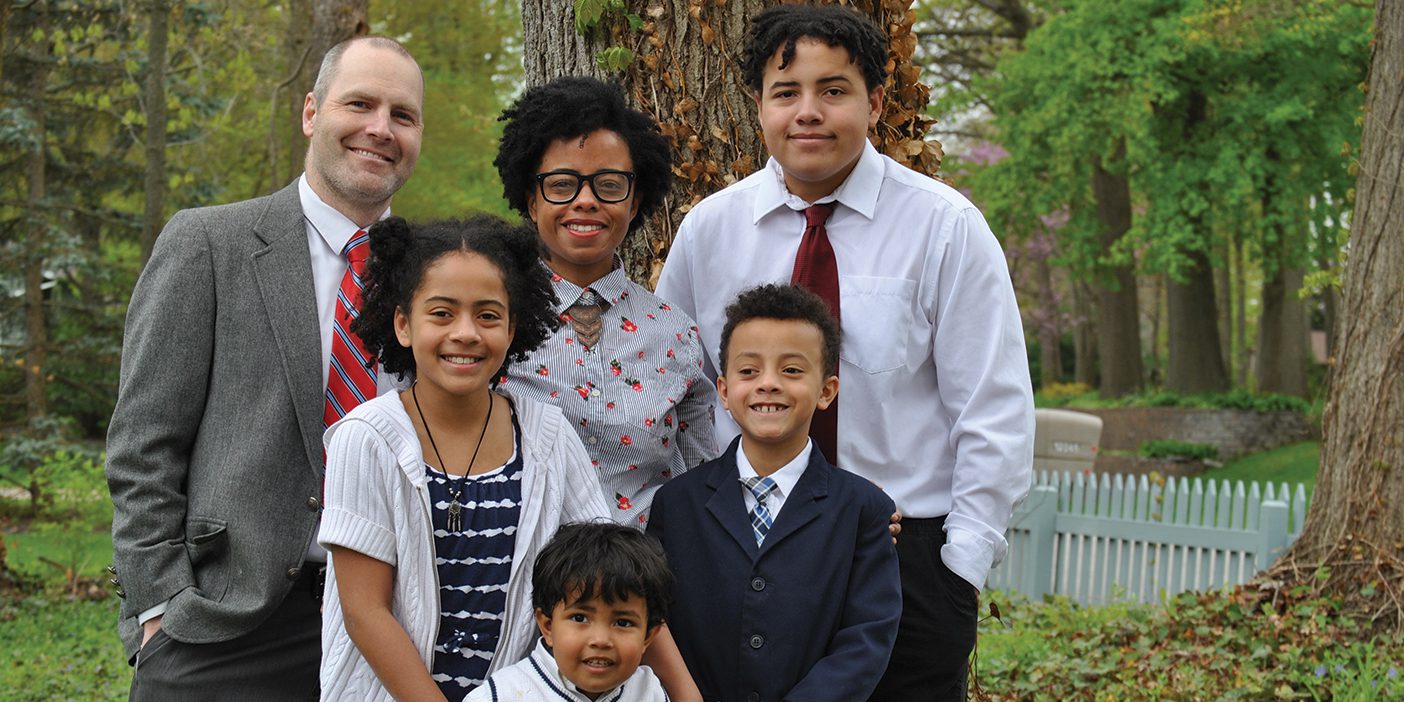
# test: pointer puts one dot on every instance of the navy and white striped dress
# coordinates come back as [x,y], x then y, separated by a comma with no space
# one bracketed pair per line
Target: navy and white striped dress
[474,565]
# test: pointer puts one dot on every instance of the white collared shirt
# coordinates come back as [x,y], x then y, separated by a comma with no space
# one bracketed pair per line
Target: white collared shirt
[785,479]
[327,233]
[537,678]
[935,403]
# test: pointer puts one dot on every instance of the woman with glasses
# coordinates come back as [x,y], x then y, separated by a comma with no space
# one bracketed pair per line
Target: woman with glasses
[624,366]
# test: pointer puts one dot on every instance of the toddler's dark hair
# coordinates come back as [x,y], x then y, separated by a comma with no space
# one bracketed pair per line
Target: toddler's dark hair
[778,28]
[783,302]
[574,106]
[399,254]
[605,560]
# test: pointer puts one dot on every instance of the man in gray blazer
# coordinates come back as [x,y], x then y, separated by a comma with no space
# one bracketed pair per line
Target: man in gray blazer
[214,450]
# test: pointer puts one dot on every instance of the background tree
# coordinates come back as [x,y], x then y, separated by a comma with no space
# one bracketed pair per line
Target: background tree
[678,62]
[1354,533]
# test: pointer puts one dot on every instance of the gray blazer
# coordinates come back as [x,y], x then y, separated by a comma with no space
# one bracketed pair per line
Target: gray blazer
[214,453]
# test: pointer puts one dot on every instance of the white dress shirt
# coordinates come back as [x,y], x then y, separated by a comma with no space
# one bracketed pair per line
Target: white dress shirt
[935,403]
[786,477]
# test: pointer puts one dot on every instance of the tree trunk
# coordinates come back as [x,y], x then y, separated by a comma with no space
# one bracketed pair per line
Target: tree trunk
[36,386]
[1223,301]
[1118,323]
[1084,335]
[1240,317]
[1282,335]
[313,28]
[1196,363]
[155,98]
[685,74]
[1356,521]
[1050,328]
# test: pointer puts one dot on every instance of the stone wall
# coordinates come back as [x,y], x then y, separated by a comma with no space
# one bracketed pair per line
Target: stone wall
[1234,432]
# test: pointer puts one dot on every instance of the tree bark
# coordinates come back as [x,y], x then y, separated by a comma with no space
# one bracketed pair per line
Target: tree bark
[1196,363]
[1084,335]
[154,95]
[1281,365]
[686,75]
[1356,521]
[36,387]
[1118,323]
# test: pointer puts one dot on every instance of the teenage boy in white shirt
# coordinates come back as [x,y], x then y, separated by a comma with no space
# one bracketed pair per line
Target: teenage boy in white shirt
[937,406]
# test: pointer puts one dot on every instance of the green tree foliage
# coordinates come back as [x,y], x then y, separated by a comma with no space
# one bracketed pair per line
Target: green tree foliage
[470,51]
[1233,120]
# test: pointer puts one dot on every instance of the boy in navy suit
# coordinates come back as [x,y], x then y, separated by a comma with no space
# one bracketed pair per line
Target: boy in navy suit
[786,585]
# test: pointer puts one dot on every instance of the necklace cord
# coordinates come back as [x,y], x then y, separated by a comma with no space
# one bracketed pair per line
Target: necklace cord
[442,466]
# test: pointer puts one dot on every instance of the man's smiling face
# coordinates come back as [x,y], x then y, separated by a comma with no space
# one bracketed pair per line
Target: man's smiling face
[365,134]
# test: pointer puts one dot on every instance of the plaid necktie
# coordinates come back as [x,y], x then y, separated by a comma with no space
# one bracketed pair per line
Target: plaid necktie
[760,516]
[351,379]
[816,270]
[585,318]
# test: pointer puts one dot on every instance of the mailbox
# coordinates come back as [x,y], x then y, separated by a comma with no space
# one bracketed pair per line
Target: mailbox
[1065,440]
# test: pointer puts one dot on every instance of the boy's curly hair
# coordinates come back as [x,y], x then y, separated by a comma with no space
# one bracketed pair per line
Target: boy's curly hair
[783,302]
[400,252]
[778,28]
[575,106]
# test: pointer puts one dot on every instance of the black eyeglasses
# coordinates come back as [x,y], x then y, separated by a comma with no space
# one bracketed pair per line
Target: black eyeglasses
[562,187]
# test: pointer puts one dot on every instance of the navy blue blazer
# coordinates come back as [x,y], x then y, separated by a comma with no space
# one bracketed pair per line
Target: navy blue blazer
[809,616]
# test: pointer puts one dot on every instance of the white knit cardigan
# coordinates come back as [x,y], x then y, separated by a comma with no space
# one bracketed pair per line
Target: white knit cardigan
[377,503]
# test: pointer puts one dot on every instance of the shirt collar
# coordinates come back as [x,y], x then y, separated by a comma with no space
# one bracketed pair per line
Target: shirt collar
[546,663]
[332,226]
[786,478]
[859,191]
[613,287]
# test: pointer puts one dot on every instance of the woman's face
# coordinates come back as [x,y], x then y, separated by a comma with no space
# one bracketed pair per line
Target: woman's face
[583,234]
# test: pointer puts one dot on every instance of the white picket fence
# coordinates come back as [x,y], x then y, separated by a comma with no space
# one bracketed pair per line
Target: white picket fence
[1097,538]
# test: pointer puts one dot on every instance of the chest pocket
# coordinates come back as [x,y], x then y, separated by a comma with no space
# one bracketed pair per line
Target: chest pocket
[878,322]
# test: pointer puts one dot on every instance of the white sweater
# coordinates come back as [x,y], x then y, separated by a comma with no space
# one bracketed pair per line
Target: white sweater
[538,679]
[377,503]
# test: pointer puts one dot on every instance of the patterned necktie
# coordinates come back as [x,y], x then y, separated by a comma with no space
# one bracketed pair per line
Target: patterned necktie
[816,270]
[350,380]
[585,318]
[760,516]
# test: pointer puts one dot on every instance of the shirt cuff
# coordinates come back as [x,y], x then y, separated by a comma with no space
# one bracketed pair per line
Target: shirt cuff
[968,555]
[152,613]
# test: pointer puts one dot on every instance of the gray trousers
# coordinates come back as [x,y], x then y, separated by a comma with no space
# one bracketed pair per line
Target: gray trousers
[277,661]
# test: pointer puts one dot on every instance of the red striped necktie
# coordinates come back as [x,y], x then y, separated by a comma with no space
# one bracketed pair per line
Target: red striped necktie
[816,270]
[351,379]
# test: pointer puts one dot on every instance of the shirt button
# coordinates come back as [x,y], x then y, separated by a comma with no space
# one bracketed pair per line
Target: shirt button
[314,504]
[293,573]
[757,640]
[757,583]
[595,392]
[593,441]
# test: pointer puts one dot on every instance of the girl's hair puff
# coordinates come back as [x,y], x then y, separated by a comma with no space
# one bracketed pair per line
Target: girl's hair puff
[400,252]
[575,106]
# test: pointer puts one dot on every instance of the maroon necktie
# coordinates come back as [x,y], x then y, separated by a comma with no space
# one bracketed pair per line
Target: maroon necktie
[816,270]
[349,381]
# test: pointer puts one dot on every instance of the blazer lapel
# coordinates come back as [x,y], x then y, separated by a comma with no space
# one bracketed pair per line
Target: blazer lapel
[726,505]
[284,273]
[803,505]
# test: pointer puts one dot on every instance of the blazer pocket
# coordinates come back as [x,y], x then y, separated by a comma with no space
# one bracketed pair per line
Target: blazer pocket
[207,543]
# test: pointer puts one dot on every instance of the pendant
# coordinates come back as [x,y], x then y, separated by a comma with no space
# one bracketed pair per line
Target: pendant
[455,517]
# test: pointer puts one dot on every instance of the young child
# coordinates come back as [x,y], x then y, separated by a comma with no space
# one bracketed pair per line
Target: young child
[439,497]
[936,407]
[800,598]
[601,594]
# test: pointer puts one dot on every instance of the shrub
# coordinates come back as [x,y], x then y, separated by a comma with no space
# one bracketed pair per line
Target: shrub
[1173,448]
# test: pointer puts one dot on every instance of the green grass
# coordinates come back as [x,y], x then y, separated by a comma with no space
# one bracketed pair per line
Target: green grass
[58,649]
[1294,463]
[85,551]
